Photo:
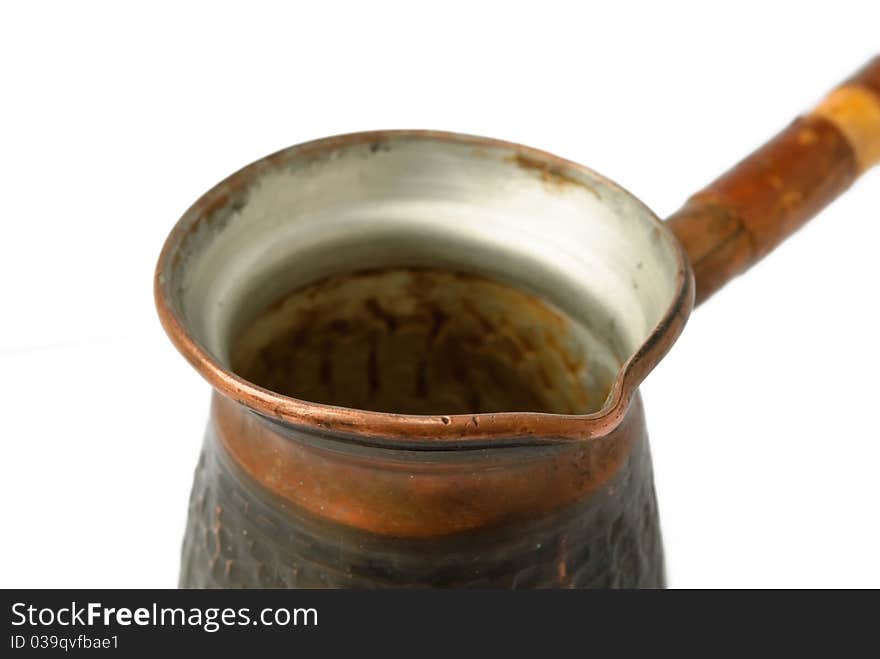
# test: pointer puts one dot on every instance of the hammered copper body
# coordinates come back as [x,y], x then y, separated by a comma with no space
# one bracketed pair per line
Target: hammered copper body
[317,493]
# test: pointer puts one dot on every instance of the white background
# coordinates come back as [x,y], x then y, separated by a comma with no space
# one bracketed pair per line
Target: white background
[112,121]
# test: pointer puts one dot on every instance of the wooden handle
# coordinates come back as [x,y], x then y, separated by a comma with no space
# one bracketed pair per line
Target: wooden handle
[750,209]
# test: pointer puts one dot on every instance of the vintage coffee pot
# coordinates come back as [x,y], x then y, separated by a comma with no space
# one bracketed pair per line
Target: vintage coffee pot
[425,350]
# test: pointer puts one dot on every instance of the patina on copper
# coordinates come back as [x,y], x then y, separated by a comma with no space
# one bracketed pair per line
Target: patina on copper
[276,508]
[430,496]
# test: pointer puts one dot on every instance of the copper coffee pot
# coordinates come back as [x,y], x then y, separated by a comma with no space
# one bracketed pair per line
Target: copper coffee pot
[426,348]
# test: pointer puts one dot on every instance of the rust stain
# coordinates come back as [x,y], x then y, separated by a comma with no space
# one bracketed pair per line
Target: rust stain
[550,174]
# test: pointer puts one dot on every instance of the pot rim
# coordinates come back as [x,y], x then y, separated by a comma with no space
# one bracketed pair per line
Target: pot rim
[426,432]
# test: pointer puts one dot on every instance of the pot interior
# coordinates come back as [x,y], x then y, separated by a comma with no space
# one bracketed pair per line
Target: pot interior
[425,341]
[424,274]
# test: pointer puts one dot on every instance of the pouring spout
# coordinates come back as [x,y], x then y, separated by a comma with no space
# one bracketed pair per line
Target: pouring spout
[745,213]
